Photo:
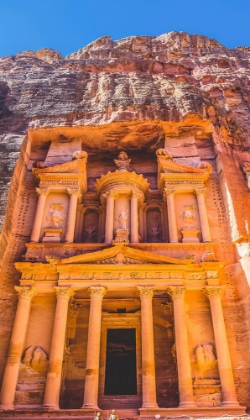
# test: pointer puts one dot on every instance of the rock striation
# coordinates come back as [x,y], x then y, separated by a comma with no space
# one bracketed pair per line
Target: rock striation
[171,77]
[175,97]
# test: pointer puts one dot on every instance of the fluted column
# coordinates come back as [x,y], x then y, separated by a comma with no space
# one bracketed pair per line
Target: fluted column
[35,235]
[53,382]
[147,339]
[17,340]
[93,348]
[229,397]
[109,226]
[205,229]
[182,349]
[71,219]
[134,235]
[173,235]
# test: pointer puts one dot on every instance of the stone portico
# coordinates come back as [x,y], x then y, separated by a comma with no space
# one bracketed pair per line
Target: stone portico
[124,271]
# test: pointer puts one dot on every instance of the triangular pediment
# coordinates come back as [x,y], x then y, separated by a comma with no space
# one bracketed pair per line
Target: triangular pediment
[119,254]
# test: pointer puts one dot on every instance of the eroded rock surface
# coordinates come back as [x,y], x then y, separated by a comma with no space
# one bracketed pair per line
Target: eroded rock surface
[171,77]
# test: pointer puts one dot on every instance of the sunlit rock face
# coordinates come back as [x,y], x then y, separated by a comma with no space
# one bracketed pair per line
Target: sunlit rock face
[172,77]
[160,115]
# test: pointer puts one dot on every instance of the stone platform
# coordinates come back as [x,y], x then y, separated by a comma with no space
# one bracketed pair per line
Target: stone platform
[125,414]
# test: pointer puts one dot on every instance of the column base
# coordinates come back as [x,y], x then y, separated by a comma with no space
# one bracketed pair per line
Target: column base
[7,407]
[50,407]
[90,407]
[149,405]
[187,404]
[230,404]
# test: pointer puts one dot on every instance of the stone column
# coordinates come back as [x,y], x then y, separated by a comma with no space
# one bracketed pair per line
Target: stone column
[141,221]
[53,382]
[93,348]
[101,223]
[147,339]
[71,219]
[79,223]
[200,193]
[109,226]
[134,234]
[173,235]
[145,209]
[229,397]
[182,348]
[17,340]
[164,223]
[35,235]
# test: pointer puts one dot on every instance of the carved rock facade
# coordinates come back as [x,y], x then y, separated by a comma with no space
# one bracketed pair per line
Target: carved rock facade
[125,243]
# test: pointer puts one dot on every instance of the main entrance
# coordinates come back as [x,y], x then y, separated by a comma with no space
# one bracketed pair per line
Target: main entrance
[120,377]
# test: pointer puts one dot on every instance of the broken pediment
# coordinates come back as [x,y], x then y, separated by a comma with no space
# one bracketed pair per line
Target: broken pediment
[119,254]
[174,172]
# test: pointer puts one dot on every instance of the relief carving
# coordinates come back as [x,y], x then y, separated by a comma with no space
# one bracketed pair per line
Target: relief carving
[123,162]
[123,219]
[55,215]
[205,357]
[188,216]
[35,358]
[164,152]
[90,234]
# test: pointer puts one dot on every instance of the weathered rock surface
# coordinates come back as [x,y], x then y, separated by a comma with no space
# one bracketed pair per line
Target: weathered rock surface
[134,93]
[171,77]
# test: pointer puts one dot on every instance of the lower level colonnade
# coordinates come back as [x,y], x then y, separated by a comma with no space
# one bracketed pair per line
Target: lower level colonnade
[148,372]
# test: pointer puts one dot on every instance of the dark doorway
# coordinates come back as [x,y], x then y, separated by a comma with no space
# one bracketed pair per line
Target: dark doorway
[120,378]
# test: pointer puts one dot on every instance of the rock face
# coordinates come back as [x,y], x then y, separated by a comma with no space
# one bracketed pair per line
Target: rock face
[171,77]
[184,98]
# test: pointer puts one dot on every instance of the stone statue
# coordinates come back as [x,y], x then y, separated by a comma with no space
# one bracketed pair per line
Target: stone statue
[205,357]
[123,162]
[122,219]
[90,233]
[79,154]
[98,416]
[55,217]
[113,415]
[154,233]
[187,215]
[165,153]
[36,358]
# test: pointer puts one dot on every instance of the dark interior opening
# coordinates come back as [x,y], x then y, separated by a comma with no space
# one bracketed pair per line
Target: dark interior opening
[120,378]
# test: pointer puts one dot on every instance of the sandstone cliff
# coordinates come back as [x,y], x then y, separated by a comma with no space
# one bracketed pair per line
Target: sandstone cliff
[172,77]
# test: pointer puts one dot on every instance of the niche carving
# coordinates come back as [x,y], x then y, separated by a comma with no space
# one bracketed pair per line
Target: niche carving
[154,231]
[90,227]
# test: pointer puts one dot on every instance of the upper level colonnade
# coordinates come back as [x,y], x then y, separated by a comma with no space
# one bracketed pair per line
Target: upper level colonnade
[126,209]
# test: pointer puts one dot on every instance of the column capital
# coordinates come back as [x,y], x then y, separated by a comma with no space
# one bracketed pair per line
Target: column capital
[42,191]
[169,191]
[142,206]
[200,191]
[111,193]
[97,291]
[146,292]
[64,292]
[75,191]
[81,208]
[176,292]
[135,194]
[213,291]
[101,209]
[25,292]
